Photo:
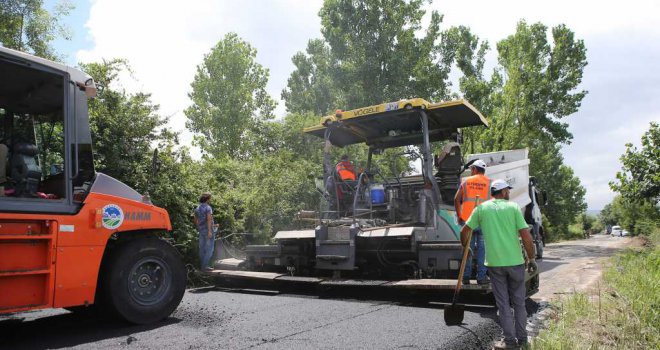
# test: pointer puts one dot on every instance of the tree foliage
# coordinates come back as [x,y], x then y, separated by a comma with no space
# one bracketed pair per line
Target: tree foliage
[564,190]
[311,87]
[607,216]
[532,88]
[229,99]
[127,129]
[25,25]
[587,222]
[124,126]
[539,84]
[638,217]
[639,178]
[370,53]
[638,182]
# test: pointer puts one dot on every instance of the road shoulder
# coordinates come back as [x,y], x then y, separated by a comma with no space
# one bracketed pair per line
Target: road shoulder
[575,266]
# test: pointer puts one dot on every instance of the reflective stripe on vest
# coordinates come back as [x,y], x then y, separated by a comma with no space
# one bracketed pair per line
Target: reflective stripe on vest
[473,186]
[345,171]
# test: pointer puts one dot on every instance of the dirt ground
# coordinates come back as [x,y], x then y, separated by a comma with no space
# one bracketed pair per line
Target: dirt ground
[577,265]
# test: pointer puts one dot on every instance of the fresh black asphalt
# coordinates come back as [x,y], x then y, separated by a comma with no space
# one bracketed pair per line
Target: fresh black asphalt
[209,318]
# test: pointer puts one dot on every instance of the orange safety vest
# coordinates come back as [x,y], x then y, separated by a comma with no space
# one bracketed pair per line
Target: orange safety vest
[473,186]
[346,171]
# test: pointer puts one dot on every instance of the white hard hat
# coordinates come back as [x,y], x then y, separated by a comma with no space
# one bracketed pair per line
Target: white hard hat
[479,164]
[498,185]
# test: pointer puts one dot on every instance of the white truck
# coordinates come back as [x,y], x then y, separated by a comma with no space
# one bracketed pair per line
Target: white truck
[513,167]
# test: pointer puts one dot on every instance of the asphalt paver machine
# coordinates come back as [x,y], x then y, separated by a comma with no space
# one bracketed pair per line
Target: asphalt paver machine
[392,231]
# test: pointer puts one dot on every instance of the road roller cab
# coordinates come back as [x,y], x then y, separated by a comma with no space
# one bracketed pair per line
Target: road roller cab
[71,237]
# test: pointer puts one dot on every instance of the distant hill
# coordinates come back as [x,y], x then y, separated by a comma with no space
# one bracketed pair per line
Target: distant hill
[593,212]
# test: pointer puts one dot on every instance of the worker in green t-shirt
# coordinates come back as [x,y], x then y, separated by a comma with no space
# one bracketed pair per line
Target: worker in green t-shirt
[502,223]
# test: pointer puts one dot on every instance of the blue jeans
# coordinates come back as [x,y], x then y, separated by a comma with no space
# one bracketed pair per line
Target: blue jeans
[206,246]
[476,245]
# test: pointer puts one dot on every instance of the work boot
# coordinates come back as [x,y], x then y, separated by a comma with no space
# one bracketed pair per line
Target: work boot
[501,344]
[466,281]
[483,281]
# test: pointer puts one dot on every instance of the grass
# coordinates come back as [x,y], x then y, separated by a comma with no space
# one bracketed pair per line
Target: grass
[621,313]
[574,232]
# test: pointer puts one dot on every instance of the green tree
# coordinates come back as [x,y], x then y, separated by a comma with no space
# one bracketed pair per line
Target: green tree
[370,53]
[229,99]
[311,87]
[639,179]
[124,126]
[470,55]
[587,222]
[126,129]
[564,190]
[25,25]
[533,87]
[176,186]
[638,217]
[607,216]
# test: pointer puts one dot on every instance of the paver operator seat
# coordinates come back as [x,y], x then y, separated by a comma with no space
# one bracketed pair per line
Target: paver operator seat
[449,165]
[341,192]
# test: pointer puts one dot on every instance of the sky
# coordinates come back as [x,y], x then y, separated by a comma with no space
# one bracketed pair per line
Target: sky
[164,41]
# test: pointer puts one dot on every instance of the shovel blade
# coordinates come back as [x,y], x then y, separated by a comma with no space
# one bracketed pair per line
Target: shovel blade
[454,314]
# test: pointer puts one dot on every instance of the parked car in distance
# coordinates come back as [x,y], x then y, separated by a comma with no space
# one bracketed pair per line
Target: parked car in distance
[625,233]
[616,231]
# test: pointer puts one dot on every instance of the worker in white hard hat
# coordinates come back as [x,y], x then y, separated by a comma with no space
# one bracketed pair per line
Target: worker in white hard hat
[473,188]
[503,225]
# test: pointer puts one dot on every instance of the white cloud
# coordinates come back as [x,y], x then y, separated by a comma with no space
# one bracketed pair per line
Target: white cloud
[494,20]
[621,77]
[165,41]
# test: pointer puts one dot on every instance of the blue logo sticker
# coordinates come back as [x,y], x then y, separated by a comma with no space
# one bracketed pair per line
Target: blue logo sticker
[392,106]
[113,216]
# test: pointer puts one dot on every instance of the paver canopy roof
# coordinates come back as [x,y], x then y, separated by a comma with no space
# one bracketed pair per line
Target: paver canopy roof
[397,123]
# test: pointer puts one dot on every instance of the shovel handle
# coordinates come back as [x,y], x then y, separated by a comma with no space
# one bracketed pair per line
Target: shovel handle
[466,250]
[459,280]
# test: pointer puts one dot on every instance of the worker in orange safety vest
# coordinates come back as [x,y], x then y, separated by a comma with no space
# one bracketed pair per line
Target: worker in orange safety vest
[345,169]
[473,188]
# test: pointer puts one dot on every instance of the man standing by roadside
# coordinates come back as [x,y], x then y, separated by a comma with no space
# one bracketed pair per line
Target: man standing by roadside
[205,226]
[502,223]
[476,185]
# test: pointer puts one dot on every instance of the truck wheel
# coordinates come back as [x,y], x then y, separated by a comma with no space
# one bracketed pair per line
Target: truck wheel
[145,280]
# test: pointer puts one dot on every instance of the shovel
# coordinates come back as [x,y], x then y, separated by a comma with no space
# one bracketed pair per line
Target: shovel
[455,312]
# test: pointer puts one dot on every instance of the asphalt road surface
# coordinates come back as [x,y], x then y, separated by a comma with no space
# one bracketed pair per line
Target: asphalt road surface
[209,318]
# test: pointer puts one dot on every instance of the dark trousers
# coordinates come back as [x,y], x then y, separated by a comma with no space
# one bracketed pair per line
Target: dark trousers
[508,284]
